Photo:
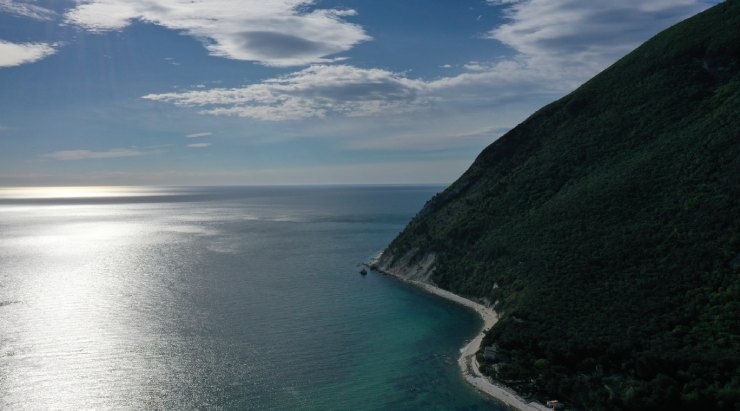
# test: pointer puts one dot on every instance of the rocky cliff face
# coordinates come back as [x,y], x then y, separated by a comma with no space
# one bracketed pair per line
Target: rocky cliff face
[411,266]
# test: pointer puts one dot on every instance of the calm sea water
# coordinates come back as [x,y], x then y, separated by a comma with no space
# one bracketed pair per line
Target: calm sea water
[237,298]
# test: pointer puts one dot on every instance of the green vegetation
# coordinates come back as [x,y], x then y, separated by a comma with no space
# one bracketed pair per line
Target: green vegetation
[606,227]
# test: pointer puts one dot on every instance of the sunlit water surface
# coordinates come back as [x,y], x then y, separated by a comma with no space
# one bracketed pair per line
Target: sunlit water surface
[238,298]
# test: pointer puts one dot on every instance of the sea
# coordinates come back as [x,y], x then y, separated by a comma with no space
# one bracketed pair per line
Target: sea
[220,298]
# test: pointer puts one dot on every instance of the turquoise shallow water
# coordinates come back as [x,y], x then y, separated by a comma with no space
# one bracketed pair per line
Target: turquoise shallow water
[235,298]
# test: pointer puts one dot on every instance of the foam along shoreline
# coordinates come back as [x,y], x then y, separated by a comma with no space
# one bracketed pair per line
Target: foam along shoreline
[467,361]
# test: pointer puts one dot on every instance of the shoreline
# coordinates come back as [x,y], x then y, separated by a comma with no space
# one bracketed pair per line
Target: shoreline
[467,361]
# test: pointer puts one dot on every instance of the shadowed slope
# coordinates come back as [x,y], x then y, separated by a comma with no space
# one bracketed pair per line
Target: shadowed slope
[606,227]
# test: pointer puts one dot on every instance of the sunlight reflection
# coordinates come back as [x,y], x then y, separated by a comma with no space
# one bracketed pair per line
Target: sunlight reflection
[81,281]
[75,192]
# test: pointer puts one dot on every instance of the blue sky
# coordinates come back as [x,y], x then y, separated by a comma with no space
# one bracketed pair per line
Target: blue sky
[101,92]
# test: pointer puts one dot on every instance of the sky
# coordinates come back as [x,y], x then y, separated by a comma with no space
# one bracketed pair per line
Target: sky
[251,92]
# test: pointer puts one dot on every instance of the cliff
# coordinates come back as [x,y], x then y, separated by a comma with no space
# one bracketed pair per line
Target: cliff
[606,227]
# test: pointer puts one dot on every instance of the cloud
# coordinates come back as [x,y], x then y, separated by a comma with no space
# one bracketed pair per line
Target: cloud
[15,54]
[476,66]
[26,9]
[274,33]
[66,155]
[196,135]
[501,2]
[431,138]
[322,91]
[316,91]
[558,44]
[199,145]
[584,36]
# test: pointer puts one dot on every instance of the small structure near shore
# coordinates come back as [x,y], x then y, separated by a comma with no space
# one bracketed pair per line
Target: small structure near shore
[555,405]
[490,353]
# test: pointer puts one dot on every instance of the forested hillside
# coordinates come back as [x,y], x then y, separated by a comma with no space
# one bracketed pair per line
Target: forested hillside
[606,230]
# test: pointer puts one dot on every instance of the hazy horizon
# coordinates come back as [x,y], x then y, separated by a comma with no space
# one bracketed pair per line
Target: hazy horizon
[122,92]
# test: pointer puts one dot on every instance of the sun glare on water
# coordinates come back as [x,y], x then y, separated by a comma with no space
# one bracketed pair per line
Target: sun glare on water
[73,192]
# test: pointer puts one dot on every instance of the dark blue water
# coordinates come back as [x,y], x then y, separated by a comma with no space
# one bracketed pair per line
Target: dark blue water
[237,298]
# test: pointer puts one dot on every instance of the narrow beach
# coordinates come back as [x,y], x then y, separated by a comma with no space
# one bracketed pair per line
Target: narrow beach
[467,362]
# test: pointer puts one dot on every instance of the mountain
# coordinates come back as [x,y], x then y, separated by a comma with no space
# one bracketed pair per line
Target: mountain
[605,230]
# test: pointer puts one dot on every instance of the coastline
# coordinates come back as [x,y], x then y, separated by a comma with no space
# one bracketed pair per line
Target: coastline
[467,361]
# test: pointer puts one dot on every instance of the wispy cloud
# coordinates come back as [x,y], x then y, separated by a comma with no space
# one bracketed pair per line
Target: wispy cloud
[26,9]
[582,37]
[196,135]
[66,155]
[316,91]
[501,2]
[476,66]
[558,44]
[275,32]
[340,90]
[199,145]
[428,139]
[15,54]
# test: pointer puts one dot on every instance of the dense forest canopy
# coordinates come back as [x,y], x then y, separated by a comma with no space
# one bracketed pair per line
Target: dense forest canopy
[606,229]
